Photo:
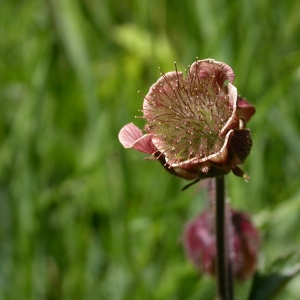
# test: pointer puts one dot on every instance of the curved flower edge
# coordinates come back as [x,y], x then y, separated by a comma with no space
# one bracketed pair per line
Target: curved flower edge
[131,136]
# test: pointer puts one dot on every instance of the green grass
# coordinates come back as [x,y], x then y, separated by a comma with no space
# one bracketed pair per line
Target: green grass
[83,218]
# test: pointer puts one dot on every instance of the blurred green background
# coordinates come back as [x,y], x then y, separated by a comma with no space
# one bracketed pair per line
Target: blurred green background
[83,218]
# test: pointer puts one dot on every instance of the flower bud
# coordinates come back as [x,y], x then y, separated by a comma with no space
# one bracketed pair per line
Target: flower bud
[200,244]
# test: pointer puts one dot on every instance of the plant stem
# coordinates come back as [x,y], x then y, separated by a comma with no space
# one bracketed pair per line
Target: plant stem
[224,270]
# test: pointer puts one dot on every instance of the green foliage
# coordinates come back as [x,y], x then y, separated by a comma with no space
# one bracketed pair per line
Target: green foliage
[83,218]
[267,286]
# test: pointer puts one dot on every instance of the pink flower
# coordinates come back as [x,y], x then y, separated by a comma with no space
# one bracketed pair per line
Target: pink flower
[196,127]
[200,244]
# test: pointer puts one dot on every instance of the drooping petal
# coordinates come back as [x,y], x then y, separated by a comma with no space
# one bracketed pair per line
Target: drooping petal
[233,95]
[210,69]
[219,157]
[233,121]
[131,136]
[245,110]
[222,156]
[162,93]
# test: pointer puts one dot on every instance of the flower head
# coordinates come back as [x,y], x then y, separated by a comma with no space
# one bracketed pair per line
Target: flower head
[196,126]
[200,244]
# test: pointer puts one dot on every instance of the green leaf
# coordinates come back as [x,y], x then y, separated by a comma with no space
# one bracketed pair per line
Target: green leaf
[267,286]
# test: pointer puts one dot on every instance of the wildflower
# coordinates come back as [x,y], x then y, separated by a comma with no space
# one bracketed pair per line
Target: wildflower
[196,127]
[200,244]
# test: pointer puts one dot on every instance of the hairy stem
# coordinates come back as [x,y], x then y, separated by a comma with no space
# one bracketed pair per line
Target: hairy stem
[224,269]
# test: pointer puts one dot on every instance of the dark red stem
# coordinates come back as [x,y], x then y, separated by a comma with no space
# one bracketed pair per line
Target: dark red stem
[224,269]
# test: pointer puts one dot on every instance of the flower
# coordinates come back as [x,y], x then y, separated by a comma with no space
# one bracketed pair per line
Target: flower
[200,244]
[196,127]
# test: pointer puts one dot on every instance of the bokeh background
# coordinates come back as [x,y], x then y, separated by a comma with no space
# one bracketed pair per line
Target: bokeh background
[83,218]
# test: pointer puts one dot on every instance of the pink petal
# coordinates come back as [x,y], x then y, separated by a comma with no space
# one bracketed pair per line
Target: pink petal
[233,95]
[131,136]
[205,69]
[222,155]
[233,121]
[245,110]
[161,93]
